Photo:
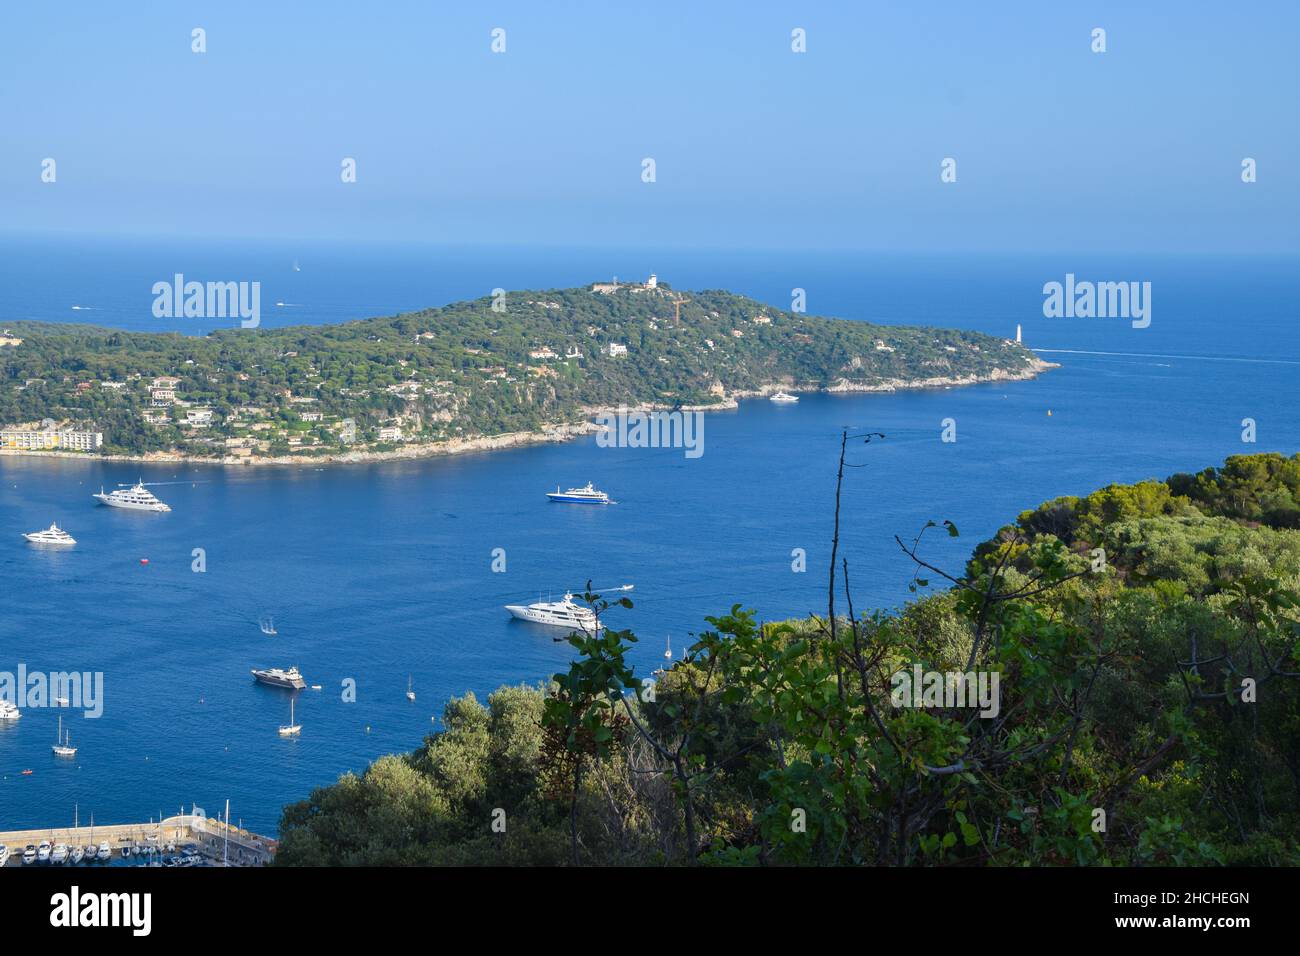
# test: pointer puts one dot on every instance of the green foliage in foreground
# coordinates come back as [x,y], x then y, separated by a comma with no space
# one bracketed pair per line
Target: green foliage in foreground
[1148,651]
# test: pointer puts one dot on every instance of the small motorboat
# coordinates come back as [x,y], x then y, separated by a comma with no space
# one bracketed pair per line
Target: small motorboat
[126,852]
[77,855]
[104,851]
[43,852]
[29,855]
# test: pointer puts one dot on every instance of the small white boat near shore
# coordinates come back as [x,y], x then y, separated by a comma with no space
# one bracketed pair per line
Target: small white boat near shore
[782,398]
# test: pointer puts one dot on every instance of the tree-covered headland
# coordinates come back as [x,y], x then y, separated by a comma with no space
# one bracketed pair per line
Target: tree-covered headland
[518,362]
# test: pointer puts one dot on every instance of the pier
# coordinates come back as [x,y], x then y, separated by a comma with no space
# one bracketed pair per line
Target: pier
[216,840]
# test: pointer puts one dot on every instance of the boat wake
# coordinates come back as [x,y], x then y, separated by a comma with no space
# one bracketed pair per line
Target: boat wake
[1193,358]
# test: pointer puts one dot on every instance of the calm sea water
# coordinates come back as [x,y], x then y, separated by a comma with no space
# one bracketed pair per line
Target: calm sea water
[379,572]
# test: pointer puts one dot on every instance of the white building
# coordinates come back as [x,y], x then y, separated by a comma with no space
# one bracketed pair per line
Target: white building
[616,350]
[49,439]
[390,433]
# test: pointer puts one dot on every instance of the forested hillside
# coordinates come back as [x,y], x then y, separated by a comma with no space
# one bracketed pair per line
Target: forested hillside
[486,367]
[1146,641]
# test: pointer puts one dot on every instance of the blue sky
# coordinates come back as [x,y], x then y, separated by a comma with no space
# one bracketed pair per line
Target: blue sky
[1057,148]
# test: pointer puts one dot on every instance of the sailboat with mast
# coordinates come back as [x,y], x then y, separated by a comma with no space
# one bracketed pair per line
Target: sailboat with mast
[63,743]
[290,729]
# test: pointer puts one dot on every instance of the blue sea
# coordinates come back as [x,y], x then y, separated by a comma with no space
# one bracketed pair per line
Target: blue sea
[381,573]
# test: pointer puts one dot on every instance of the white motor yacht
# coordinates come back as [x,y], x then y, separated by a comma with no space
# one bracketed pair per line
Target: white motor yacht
[567,613]
[783,398]
[279,677]
[586,495]
[8,711]
[52,535]
[558,614]
[43,852]
[103,851]
[134,498]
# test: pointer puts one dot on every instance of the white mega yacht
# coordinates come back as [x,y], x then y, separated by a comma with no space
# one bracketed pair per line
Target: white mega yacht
[783,398]
[51,535]
[564,613]
[586,495]
[567,613]
[135,498]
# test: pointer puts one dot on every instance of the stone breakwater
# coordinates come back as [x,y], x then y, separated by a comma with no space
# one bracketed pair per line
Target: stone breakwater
[552,433]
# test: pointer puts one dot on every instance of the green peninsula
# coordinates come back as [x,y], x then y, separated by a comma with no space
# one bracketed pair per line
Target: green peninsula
[519,365]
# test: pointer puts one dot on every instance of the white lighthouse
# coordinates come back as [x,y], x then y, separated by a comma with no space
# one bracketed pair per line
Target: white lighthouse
[652,282]
[1017,334]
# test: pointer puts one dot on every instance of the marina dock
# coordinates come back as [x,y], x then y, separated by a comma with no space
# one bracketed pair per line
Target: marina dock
[216,840]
